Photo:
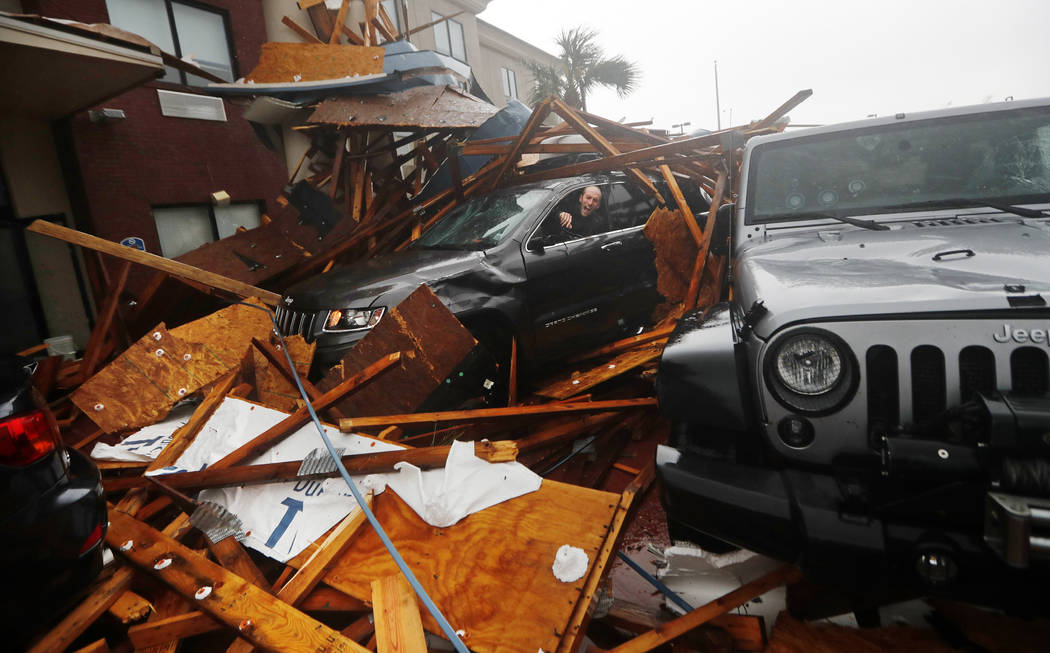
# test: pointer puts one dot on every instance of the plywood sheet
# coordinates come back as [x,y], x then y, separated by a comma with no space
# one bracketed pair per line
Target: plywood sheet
[310,62]
[490,574]
[420,324]
[226,334]
[676,253]
[271,387]
[141,385]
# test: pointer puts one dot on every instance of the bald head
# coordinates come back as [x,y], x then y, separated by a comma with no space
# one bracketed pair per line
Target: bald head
[590,200]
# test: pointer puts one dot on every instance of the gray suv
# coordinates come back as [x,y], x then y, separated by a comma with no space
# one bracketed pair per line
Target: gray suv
[873,403]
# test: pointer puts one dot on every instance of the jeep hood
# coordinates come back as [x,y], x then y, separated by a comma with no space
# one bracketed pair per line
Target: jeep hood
[832,273]
[384,279]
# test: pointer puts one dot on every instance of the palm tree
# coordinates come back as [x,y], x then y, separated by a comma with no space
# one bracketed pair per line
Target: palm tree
[582,66]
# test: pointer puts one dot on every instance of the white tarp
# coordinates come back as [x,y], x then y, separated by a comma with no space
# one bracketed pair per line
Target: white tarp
[145,445]
[282,519]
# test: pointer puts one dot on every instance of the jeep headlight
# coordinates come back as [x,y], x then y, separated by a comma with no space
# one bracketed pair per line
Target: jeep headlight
[353,319]
[811,371]
[808,364]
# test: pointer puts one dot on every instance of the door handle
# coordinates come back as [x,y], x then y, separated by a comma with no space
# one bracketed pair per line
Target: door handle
[608,247]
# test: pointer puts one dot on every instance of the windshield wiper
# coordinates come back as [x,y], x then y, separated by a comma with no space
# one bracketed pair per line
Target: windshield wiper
[957,202]
[856,222]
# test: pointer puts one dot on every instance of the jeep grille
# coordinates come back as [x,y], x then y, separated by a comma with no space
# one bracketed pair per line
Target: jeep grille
[292,322]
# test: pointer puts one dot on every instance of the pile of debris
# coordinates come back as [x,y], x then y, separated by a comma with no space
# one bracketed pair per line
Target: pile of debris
[223,479]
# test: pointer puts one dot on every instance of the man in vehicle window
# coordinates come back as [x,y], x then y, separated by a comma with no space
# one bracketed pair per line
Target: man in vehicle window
[584,220]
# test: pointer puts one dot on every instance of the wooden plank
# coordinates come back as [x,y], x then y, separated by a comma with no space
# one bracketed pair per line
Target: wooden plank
[301,31]
[786,574]
[104,593]
[348,425]
[166,604]
[371,463]
[512,374]
[584,608]
[431,23]
[574,383]
[249,611]
[566,430]
[351,35]
[322,21]
[506,599]
[539,113]
[602,143]
[782,110]
[705,243]
[97,646]
[153,261]
[130,607]
[340,20]
[102,328]
[290,424]
[309,575]
[185,434]
[172,628]
[279,363]
[337,162]
[683,206]
[399,628]
[660,333]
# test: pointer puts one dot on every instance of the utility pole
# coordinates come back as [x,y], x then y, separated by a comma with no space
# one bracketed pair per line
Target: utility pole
[718,105]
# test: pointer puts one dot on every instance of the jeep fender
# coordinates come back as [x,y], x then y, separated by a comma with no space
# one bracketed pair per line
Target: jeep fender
[698,381]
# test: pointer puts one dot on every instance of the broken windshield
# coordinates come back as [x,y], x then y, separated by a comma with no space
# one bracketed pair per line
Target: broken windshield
[483,222]
[996,157]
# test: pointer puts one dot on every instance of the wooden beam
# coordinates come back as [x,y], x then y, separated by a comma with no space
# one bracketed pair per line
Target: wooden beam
[337,163]
[567,386]
[322,560]
[288,425]
[93,351]
[786,574]
[130,607]
[153,261]
[625,344]
[322,21]
[247,610]
[602,143]
[352,36]
[512,374]
[174,628]
[301,31]
[705,243]
[399,628]
[184,435]
[566,430]
[340,20]
[372,463]
[683,206]
[281,364]
[538,115]
[783,109]
[347,425]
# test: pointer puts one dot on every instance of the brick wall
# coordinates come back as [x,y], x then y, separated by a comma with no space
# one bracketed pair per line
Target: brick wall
[149,159]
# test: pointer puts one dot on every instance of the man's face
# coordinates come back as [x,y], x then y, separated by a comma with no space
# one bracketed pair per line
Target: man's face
[590,200]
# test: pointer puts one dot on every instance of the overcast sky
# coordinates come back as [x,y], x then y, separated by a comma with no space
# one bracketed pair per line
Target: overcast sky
[860,58]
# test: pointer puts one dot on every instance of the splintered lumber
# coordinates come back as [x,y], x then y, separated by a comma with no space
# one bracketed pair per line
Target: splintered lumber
[104,593]
[581,615]
[130,607]
[141,385]
[705,244]
[683,206]
[399,628]
[420,325]
[174,268]
[301,31]
[747,631]
[309,575]
[349,424]
[290,424]
[511,547]
[786,574]
[372,463]
[249,611]
[659,333]
[173,628]
[574,383]
[782,110]
[539,113]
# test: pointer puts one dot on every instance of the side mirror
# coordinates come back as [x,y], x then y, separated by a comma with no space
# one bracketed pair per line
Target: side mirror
[723,229]
[539,244]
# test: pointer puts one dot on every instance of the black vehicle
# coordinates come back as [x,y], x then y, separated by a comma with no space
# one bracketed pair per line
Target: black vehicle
[874,401]
[52,511]
[504,266]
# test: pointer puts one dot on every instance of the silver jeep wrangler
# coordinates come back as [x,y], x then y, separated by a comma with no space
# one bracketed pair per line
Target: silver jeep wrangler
[874,401]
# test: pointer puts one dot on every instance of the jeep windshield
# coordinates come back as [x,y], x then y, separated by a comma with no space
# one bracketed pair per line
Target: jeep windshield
[485,221]
[992,159]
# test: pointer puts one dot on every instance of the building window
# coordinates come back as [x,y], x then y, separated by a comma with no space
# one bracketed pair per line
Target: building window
[185,228]
[448,37]
[186,29]
[510,83]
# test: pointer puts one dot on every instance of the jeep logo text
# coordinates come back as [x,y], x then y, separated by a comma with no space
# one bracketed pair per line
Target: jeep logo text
[1022,335]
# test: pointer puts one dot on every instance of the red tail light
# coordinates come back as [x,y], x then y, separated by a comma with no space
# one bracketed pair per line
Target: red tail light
[24,439]
[91,540]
